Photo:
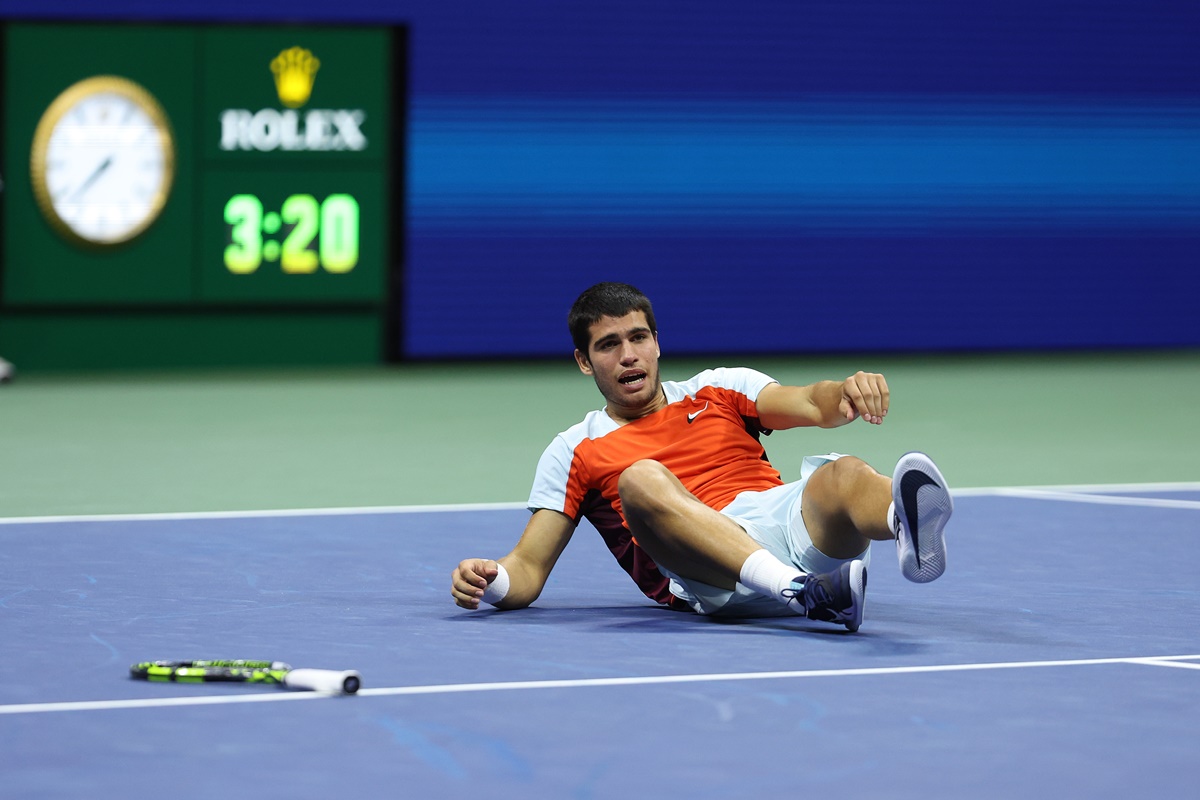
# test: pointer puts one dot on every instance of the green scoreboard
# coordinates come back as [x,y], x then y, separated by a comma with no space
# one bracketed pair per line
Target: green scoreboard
[199,195]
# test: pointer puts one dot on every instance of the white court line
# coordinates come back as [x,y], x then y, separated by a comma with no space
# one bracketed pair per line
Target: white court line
[278,512]
[1040,492]
[1083,488]
[580,683]
[162,702]
[1097,499]
[1161,662]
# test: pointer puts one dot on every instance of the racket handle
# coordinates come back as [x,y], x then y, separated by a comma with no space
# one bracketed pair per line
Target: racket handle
[323,680]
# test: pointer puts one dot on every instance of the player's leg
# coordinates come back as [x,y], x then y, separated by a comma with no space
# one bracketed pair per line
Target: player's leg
[847,504]
[697,544]
[678,531]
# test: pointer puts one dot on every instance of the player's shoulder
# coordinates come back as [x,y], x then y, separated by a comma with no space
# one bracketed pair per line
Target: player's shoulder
[743,380]
[594,425]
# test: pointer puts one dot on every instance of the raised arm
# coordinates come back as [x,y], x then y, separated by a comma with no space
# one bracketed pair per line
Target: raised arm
[826,404]
[528,565]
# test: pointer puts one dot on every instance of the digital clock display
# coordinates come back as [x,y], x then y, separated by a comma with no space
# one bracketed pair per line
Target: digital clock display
[315,236]
[309,234]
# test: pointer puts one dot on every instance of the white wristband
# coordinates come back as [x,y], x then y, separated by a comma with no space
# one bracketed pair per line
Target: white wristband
[496,590]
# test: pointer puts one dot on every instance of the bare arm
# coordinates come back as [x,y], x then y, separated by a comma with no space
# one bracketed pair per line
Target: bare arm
[528,565]
[825,404]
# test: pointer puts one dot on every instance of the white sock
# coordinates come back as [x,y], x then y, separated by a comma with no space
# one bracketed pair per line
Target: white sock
[767,575]
[891,517]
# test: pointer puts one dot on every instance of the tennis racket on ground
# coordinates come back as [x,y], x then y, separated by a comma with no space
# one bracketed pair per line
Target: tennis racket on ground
[267,672]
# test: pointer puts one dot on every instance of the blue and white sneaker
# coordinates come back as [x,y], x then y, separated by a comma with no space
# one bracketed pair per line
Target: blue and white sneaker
[837,596]
[922,506]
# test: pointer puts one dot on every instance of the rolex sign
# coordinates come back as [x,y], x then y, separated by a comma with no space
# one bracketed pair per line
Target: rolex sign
[291,128]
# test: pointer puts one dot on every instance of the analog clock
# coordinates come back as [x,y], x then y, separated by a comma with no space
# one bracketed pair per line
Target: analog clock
[103,161]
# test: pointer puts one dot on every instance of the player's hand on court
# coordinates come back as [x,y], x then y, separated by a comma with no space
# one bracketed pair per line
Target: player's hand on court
[865,394]
[469,580]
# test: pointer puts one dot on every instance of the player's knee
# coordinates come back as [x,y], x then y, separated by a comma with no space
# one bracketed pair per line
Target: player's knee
[851,468]
[837,479]
[834,486]
[643,484]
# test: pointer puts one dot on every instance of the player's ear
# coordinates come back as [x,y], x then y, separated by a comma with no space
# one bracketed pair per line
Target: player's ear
[585,366]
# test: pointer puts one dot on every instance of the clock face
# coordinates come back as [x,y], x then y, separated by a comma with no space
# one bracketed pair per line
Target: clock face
[103,161]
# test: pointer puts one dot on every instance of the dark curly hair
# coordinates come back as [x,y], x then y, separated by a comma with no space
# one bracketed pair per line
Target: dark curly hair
[605,300]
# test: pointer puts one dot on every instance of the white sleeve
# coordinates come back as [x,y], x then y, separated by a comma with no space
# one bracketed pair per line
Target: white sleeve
[550,480]
[738,379]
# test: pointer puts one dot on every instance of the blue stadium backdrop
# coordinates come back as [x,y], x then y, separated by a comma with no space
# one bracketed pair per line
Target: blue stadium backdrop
[786,176]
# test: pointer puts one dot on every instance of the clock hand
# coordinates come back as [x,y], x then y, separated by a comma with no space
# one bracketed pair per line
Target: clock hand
[104,165]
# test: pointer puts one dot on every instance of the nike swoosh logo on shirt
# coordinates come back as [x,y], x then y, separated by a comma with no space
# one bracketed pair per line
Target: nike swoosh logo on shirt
[910,484]
[695,414]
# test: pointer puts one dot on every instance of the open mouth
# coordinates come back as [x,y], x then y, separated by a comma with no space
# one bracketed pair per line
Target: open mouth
[631,377]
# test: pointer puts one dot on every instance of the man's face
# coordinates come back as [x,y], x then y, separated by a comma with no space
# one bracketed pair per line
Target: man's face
[623,360]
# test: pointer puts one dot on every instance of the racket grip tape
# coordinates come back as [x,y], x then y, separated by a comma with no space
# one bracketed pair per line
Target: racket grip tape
[323,680]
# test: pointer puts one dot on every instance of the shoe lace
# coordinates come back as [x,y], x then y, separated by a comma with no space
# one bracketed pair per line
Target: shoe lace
[812,595]
[797,591]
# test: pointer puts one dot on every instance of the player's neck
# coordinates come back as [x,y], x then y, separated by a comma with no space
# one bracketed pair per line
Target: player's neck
[623,415]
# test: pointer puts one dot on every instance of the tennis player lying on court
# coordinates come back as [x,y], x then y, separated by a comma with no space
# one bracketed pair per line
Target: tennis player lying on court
[674,478]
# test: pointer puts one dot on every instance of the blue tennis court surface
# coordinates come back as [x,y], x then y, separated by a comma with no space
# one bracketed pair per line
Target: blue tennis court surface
[1058,656]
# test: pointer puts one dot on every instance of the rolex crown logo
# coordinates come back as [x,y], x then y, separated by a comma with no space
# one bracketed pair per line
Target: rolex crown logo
[295,70]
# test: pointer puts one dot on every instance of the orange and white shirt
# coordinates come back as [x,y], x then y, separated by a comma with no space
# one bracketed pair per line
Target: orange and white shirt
[707,436]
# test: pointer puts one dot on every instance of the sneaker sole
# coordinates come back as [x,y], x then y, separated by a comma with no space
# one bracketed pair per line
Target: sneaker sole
[858,591]
[917,481]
